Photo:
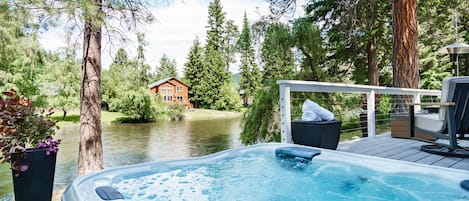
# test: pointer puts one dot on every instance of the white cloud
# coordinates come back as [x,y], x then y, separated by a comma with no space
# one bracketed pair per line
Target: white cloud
[174,30]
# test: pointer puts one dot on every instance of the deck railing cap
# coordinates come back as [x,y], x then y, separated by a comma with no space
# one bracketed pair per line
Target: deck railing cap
[300,85]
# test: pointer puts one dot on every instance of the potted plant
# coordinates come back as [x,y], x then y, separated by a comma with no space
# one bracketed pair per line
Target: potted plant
[26,143]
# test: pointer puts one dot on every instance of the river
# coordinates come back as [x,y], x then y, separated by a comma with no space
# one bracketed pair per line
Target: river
[126,144]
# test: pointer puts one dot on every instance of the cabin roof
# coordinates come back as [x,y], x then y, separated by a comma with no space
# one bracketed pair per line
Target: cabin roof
[159,82]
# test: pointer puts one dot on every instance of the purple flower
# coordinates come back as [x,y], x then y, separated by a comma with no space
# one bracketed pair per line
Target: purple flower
[23,168]
[51,145]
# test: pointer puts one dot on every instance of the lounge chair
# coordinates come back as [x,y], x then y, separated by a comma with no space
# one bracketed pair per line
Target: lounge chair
[452,119]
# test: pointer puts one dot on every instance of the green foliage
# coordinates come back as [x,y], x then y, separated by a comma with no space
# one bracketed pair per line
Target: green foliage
[307,39]
[250,74]
[349,30]
[230,101]
[276,53]
[21,58]
[63,82]
[124,94]
[261,120]
[436,30]
[166,69]
[194,73]
[176,112]
[136,104]
[206,71]
[230,36]
[215,29]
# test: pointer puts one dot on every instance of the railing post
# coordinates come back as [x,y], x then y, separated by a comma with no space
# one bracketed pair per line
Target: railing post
[417,100]
[285,116]
[371,118]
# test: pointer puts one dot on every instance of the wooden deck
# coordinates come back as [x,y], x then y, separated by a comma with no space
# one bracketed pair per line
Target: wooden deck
[402,149]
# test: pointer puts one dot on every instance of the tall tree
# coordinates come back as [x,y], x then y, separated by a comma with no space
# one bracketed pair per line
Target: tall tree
[262,122]
[215,28]
[355,31]
[216,75]
[250,74]
[194,73]
[166,69]
[90,154]
[142,68]
[307,38]
[405,50]
[230,36]
[276,53]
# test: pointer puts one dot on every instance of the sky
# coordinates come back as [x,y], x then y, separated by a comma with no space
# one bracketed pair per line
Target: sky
[173,31]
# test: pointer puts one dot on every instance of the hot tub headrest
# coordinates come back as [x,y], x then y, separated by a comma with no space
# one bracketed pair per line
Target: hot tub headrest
[465,185]
[109,193]
[302,152]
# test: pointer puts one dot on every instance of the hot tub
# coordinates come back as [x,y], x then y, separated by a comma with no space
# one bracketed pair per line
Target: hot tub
[259,173]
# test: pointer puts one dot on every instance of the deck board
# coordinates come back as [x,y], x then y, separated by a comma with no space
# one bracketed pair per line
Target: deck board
[402,149]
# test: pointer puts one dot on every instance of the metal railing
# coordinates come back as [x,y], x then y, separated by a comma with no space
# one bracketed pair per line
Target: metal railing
[286,87]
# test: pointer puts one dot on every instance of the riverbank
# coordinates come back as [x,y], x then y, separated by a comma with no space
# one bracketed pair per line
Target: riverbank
[109,117]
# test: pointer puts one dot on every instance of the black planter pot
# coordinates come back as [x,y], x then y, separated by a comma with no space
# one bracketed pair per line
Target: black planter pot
[323,134]
[37,182]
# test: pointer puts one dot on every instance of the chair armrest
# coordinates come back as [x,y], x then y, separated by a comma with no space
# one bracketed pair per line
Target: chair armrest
[437,103]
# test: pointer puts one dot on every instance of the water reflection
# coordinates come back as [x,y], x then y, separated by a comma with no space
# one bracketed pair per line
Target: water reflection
[125,144]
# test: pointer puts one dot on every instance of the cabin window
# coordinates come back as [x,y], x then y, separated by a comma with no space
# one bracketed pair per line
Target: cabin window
[179,98]
[166,90]
[178,88]
[167,98]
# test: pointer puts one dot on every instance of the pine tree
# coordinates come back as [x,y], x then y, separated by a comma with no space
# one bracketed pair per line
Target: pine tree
[194,72]
[250,74]
[166,69]
[215,28]
[230,36]
[142,69]
[276,53]
[215,75]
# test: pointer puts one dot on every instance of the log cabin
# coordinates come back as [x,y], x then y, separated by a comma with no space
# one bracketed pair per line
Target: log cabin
[172,91]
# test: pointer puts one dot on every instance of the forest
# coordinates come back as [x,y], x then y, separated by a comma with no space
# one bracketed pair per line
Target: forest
[344,41]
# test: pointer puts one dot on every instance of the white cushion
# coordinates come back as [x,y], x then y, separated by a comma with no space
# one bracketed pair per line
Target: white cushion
[429,122]
[447,91]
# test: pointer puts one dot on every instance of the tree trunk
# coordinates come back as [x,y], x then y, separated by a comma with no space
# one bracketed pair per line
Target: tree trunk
[405,50]
[373,77]
[65,114]
[90,150]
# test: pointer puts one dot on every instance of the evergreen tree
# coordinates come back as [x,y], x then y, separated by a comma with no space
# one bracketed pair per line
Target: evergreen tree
[250,74]
[215,28]
[166,69]
[405,51]
[356,37]
[230,37]
[194,73]
[215,76]
[215,72]
[307,39]
[143,69]
[276,53]
[262,120]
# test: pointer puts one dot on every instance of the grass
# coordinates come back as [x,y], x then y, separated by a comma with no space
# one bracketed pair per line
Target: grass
[73,116]
[201,114]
